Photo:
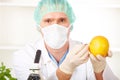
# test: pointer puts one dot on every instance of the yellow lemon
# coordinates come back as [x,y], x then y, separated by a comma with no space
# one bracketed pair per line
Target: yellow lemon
[99,45]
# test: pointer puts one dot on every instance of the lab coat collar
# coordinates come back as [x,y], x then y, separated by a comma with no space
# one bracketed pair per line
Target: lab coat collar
[40,46]
[44,53]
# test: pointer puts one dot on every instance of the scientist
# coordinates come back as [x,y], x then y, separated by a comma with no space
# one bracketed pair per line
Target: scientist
[61,57]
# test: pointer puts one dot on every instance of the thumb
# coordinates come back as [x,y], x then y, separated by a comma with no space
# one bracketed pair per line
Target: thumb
[109,53]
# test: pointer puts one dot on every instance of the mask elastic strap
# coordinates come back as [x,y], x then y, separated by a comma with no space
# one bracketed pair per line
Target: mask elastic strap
[38,27]
[70,27]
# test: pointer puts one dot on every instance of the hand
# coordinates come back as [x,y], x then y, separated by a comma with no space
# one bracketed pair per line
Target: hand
[99,62]
[76,57]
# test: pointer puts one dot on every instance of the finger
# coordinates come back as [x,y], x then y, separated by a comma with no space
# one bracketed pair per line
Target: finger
[85,55]
[93,58]
[83,59]
[84,51]
[81,48]
[80,54]
[100,58]
[109,53]
[89,53]
[77,48]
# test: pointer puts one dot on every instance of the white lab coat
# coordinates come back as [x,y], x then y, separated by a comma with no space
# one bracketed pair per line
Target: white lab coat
[24,58]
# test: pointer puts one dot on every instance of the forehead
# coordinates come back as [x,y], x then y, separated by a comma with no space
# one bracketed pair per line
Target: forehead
[55,15]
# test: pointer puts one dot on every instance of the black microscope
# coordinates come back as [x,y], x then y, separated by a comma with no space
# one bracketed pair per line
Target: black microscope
[35,69]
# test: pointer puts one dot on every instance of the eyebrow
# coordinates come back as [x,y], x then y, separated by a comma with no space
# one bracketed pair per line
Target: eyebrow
[47,18]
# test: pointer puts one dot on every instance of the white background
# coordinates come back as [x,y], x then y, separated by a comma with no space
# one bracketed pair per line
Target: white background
[93,17]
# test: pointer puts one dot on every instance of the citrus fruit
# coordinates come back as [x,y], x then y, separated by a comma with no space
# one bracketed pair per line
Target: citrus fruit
[99,45]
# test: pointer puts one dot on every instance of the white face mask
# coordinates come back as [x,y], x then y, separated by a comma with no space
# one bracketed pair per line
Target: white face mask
[55,35]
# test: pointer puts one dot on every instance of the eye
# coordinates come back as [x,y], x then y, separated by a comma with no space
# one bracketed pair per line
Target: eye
[62,20]
[48,21]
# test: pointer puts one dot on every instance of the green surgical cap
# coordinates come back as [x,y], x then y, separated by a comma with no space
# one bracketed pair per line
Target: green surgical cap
[47,6]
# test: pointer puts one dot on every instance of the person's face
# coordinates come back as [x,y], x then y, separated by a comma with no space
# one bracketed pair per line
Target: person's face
[55,18]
